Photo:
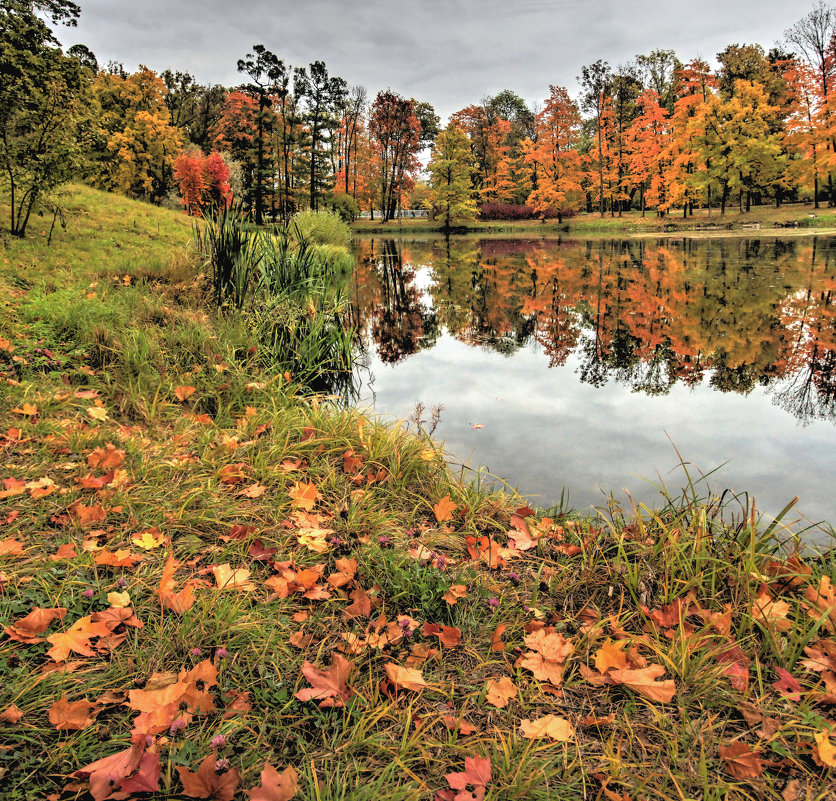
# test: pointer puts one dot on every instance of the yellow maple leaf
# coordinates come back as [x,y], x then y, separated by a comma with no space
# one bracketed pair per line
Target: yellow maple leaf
[229,578]
[149,540]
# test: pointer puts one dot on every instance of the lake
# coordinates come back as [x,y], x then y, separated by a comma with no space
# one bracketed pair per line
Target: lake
[575,367]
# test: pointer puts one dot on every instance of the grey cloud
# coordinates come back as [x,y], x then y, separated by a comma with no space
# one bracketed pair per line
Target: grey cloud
[448,52]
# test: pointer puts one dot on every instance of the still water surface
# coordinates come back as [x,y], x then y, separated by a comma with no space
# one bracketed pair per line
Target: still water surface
[587,362]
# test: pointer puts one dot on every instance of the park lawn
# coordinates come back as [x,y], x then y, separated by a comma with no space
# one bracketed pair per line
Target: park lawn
[244,574]
[789,216]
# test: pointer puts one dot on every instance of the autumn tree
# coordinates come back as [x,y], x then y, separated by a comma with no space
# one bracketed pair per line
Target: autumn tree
[40,105]
[647,148]
[136,145]
[352,122]
[397,141]
[203,182]
[559,172]
[451,170]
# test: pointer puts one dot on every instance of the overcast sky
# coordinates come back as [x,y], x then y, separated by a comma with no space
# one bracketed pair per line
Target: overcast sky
[448,52]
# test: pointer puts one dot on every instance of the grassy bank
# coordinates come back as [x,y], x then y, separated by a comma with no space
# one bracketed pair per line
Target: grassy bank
[791,218]
[204,570]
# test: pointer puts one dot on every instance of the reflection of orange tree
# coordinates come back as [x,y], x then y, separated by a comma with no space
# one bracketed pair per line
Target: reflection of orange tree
[647,313]
[808,360]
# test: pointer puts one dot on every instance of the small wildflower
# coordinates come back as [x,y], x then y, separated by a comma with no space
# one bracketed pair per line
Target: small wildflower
[411,532]
[196,652]
[515,577]
[408,633]
[122,583]
[221,766]
[441,560]
[218,741]
[383,540]
[221,652]
[149,741]
[177,726]
[88,593]
[403,623]
[494,602]
[336,541]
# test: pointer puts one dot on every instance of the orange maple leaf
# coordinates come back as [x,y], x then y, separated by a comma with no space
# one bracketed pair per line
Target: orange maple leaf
[455,592]
[443,510]
[327,686]
[73,716]
[304,495]
[184,393]
[547,656]
[36,622]
[275,786]
[501,691]
[206,782]
[556,728]
[405,678]
[109,457]
[76,639]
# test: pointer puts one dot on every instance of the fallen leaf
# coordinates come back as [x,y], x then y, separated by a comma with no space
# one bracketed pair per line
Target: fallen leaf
[825,747]
[547,656]
[76,639]
[26,409]
[558,729]
[184,393]
[228,578]
[741,761]
[497,646]
[149,539]
[108,457]
[253,491]
[275,786]
[119,600]
[444,509]
[97,413]
[11,714]
[28,628]
[477,773]
[610,655]
[327,686]
[72,716]
[454,593]
[643,681]
[447,635]
[501,691]
[304,495]
[206,782]
[405,678]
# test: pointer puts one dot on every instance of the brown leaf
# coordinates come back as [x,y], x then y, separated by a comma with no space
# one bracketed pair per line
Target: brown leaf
[228,578]
[107,458]
[447,635]
[76,639]
[36,622]
[497,645]
[741,761]
[548,655]
[72,716]
[477,773]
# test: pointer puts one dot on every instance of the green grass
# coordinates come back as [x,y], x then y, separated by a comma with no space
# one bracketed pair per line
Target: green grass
[785,219]
[591,579]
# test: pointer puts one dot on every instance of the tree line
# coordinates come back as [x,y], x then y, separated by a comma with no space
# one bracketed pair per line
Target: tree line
[655,135]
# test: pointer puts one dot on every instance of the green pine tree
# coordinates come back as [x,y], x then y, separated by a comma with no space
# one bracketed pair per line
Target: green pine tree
[451,177]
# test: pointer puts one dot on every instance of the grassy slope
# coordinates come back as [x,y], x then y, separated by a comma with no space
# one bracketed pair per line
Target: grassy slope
[124,319]
[632,223]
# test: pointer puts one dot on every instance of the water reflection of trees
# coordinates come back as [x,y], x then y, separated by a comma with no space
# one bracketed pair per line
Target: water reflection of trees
[736,313]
